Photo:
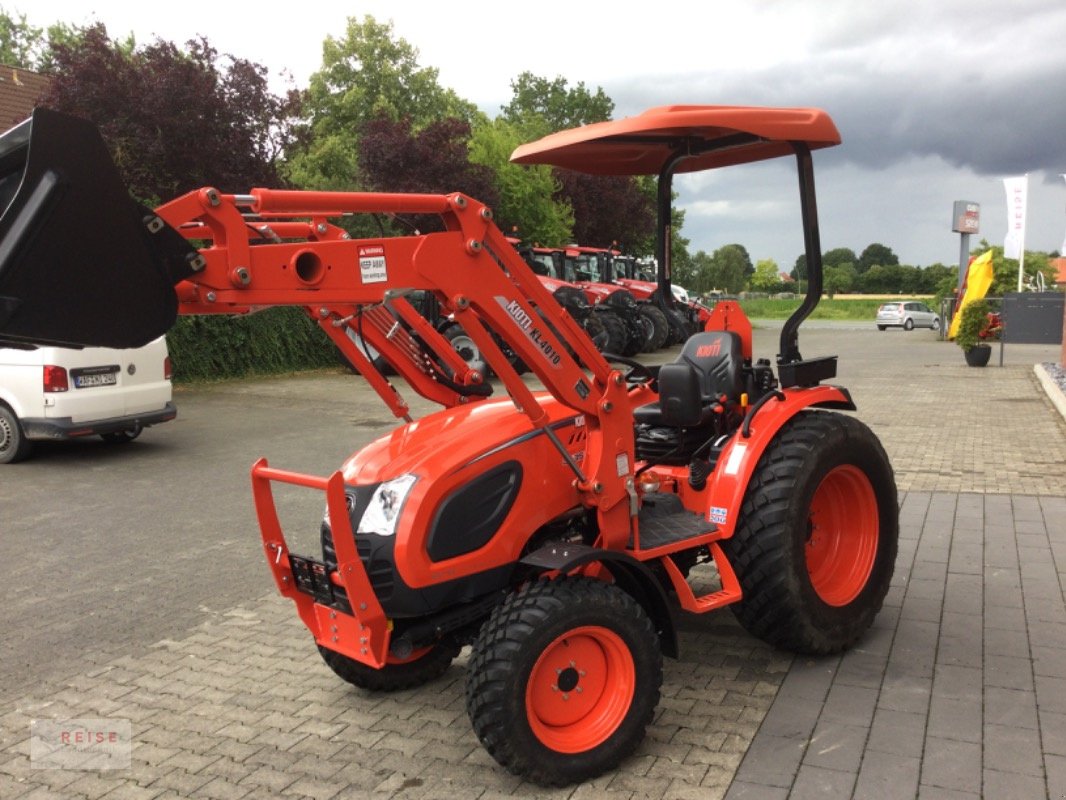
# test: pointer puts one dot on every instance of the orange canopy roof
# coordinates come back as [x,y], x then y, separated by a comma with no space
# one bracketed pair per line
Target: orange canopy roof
[641,145]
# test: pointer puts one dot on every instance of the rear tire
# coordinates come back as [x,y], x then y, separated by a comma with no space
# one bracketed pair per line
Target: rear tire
[816,541]
[14,446]
[564,679]
[908,325]
[881,327]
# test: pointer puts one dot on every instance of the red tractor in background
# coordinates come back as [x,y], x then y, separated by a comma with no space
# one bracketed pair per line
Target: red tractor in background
[684,317]
[554,531]
[625,329]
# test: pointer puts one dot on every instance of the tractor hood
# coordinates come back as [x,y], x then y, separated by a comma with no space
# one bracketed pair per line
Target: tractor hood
[448,440]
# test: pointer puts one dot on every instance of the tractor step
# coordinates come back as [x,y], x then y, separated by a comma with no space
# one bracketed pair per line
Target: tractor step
[665,525]
[729,593]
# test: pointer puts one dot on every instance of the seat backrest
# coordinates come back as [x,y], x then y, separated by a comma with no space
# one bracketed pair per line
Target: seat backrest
[717,357]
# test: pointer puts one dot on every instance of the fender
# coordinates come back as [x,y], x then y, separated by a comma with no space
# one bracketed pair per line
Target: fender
[630,575]
[738,460]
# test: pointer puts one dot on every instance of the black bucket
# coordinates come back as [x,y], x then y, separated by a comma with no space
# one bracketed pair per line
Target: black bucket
[81,263]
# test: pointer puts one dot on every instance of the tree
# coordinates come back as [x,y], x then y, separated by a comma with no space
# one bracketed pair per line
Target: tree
[838,257]
[839,279]
[766,277]
[876,255]
[607,208]
[365,73]
[539,106]
[799,271]
[28,47]
[175,119]
[21,44]
[435,160]
[527,195]
[931,277]
[887,279]
[728,268]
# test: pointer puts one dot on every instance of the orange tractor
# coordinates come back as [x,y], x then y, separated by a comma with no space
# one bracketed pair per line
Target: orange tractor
[553,530]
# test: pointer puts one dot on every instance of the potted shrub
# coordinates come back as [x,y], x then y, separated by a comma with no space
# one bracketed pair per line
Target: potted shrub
[979,326]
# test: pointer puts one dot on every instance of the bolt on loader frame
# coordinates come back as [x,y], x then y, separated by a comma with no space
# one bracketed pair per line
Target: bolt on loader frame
[555,531]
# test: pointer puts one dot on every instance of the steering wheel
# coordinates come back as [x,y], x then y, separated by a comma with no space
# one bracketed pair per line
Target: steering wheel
[638,373]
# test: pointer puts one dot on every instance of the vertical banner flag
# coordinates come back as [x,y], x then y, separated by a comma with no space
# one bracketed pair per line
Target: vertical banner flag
[1062,250]
[978,279]
[1017,188]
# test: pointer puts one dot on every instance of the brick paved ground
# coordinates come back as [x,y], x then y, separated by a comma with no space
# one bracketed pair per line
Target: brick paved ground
[958,691]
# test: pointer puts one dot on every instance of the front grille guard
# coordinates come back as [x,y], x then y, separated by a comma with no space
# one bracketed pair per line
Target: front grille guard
[362,635]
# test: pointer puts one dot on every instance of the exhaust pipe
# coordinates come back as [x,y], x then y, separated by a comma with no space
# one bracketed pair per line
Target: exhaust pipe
[81,263]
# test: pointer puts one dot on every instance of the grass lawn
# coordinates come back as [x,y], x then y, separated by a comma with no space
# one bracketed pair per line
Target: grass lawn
[841,307]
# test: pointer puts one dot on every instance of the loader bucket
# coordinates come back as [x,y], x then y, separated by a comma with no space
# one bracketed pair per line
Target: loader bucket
[81,264]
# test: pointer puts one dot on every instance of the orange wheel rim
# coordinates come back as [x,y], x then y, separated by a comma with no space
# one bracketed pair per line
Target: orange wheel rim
[842,535]
[580,689]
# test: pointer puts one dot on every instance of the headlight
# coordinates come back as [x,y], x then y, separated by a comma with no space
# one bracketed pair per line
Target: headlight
[383,513]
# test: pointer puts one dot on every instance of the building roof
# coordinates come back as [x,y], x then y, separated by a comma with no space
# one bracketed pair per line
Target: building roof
[20,91]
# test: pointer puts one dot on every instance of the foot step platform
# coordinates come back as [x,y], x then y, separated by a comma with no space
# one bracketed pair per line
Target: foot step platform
[665,521]
[665,527]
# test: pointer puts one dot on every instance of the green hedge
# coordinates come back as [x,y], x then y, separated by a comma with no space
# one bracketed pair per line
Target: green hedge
[272,341]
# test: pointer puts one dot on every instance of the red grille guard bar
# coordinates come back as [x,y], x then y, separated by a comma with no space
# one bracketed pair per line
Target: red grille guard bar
[362,635]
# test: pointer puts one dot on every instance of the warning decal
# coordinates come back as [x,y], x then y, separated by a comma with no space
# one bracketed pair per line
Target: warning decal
[372,264]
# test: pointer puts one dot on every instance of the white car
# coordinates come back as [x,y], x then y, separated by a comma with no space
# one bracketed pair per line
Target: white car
[907,315]
[55,393]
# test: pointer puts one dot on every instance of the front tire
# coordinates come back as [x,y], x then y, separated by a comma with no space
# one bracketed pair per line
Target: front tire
[617,337]
[656,327]
[467,349]
[816,541]
[564,679]
[423,666]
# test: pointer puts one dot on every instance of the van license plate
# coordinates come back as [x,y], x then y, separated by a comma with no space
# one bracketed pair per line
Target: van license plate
[98,379]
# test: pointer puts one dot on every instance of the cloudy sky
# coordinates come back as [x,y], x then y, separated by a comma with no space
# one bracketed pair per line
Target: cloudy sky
[936,101]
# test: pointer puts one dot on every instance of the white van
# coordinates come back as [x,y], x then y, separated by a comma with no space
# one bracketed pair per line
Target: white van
[54,393]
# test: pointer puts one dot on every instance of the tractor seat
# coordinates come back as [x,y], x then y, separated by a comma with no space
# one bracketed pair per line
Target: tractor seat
[708,367]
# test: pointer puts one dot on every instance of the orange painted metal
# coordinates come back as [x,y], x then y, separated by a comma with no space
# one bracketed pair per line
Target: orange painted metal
[842,547]
[578,718]
[641,145]
[362,635]
[737,462]
[727,315]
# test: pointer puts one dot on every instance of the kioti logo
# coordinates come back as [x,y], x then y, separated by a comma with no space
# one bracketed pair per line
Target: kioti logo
[708,350]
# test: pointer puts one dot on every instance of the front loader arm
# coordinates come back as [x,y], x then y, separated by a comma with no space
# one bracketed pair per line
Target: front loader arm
[470,267]
[80,264]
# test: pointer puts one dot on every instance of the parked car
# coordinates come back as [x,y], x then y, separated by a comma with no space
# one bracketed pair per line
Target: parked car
[53,393]
[907,315]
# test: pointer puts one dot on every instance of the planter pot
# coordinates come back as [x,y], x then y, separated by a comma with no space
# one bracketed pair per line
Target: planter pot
[978,355]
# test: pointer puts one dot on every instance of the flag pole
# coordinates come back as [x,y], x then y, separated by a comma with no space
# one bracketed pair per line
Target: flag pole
[1021,251]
